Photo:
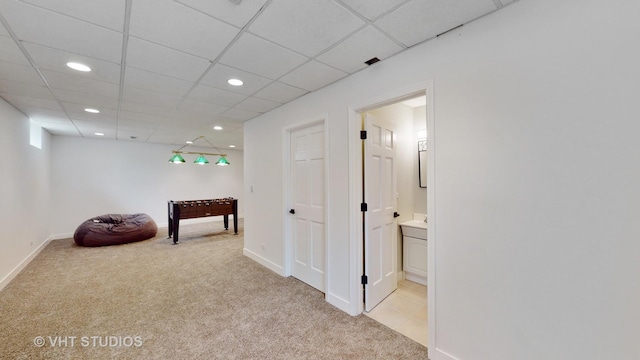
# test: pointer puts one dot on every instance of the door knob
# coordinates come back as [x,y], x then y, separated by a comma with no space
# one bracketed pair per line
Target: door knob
[292,211]
[395,214]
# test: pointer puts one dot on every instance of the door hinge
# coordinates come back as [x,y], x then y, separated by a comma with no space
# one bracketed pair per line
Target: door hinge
[364,280]
[363,134]
[363,207]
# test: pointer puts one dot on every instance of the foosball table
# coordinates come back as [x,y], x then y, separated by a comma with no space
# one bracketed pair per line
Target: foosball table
[190,209]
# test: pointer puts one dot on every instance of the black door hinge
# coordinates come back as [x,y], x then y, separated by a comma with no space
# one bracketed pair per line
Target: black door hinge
[364,280]
[363,134]
[363,207]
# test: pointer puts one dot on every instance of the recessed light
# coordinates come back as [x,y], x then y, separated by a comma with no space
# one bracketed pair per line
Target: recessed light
[93,111]
[78,66]
[235,82]
[98,134]
[232,146]
[189,142]
[217,127]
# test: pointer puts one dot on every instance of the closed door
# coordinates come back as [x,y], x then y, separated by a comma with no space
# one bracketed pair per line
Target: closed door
[380,195]
[308,205]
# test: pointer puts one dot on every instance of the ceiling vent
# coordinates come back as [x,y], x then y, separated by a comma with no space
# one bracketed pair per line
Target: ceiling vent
[372,61]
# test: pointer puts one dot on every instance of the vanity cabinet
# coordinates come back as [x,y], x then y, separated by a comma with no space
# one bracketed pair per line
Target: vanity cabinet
[414,251]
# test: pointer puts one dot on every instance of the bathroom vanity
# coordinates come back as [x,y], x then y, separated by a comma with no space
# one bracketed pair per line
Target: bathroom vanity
[414,249]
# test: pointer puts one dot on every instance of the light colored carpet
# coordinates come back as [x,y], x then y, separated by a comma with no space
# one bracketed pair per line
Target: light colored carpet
[201,299]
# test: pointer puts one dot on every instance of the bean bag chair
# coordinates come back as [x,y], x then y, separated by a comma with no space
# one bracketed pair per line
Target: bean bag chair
[115,229]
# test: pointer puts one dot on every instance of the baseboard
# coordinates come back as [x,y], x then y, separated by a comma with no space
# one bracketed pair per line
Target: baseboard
[61,236]
[441,355]
[264,262]
[13,273]
[339,302]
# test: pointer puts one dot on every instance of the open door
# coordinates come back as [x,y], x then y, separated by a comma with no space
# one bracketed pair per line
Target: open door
[380,197]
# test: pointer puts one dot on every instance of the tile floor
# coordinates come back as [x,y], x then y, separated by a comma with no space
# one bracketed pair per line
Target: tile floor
[405,311]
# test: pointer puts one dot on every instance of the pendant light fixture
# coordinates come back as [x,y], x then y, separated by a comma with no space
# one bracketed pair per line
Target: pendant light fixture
[200,160]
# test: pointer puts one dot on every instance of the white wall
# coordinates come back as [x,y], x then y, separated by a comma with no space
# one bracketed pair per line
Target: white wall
[92,177]
[24,193]
[536,180]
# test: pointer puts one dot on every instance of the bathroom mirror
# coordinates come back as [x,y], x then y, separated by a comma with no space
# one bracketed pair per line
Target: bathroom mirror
[422,163]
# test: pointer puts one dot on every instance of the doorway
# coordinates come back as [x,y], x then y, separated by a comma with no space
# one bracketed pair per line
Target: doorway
[361,181]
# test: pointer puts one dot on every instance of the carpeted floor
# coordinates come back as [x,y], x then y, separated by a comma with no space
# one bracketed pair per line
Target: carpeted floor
[201,299]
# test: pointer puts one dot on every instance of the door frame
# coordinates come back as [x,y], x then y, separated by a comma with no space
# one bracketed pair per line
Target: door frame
[287,248]
[356,248]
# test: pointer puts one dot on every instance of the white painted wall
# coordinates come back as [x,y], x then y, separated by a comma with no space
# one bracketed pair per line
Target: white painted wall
[92,177]
[536,180]
[24,193]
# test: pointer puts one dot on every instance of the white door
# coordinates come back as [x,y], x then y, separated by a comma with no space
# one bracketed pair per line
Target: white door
[307,205]
[380,195]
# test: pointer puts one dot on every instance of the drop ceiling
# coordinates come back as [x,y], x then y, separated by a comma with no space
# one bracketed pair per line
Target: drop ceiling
[160,67]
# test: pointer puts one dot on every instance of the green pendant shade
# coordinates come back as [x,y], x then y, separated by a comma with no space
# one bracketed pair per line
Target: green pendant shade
[222,161]
[176,159]
[201,160]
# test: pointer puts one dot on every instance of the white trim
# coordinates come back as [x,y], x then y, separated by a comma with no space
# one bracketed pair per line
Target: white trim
[263,261]
[431,211]
[340,303]
[16,270]
[441,355]
[287,248]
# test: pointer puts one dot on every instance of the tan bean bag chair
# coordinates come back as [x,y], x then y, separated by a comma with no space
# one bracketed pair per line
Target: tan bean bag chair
[115,229]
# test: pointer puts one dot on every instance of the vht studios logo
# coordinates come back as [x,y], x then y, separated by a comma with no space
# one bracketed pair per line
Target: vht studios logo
[88,341]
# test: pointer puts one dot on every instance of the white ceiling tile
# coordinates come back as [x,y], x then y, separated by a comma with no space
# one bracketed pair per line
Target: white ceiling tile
[24,89]
[261,57]
[200,107]
[257,105]
[187,30]
[19,73]
[350,55]
[372,9]
[147,109]
[150,97]
[76,111]
[317,24]
[87,100]
[133,116]
[237,15]
[134,134]
[70,34]
[11,52]
[216,96]
[279,92]
[147,56]
[219,74]
[107,13]
[81,83]
[240,114]
[56,60]
[44,116]
[420,20]
[31,102]
[153,81]
[312,76]
[3,31]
